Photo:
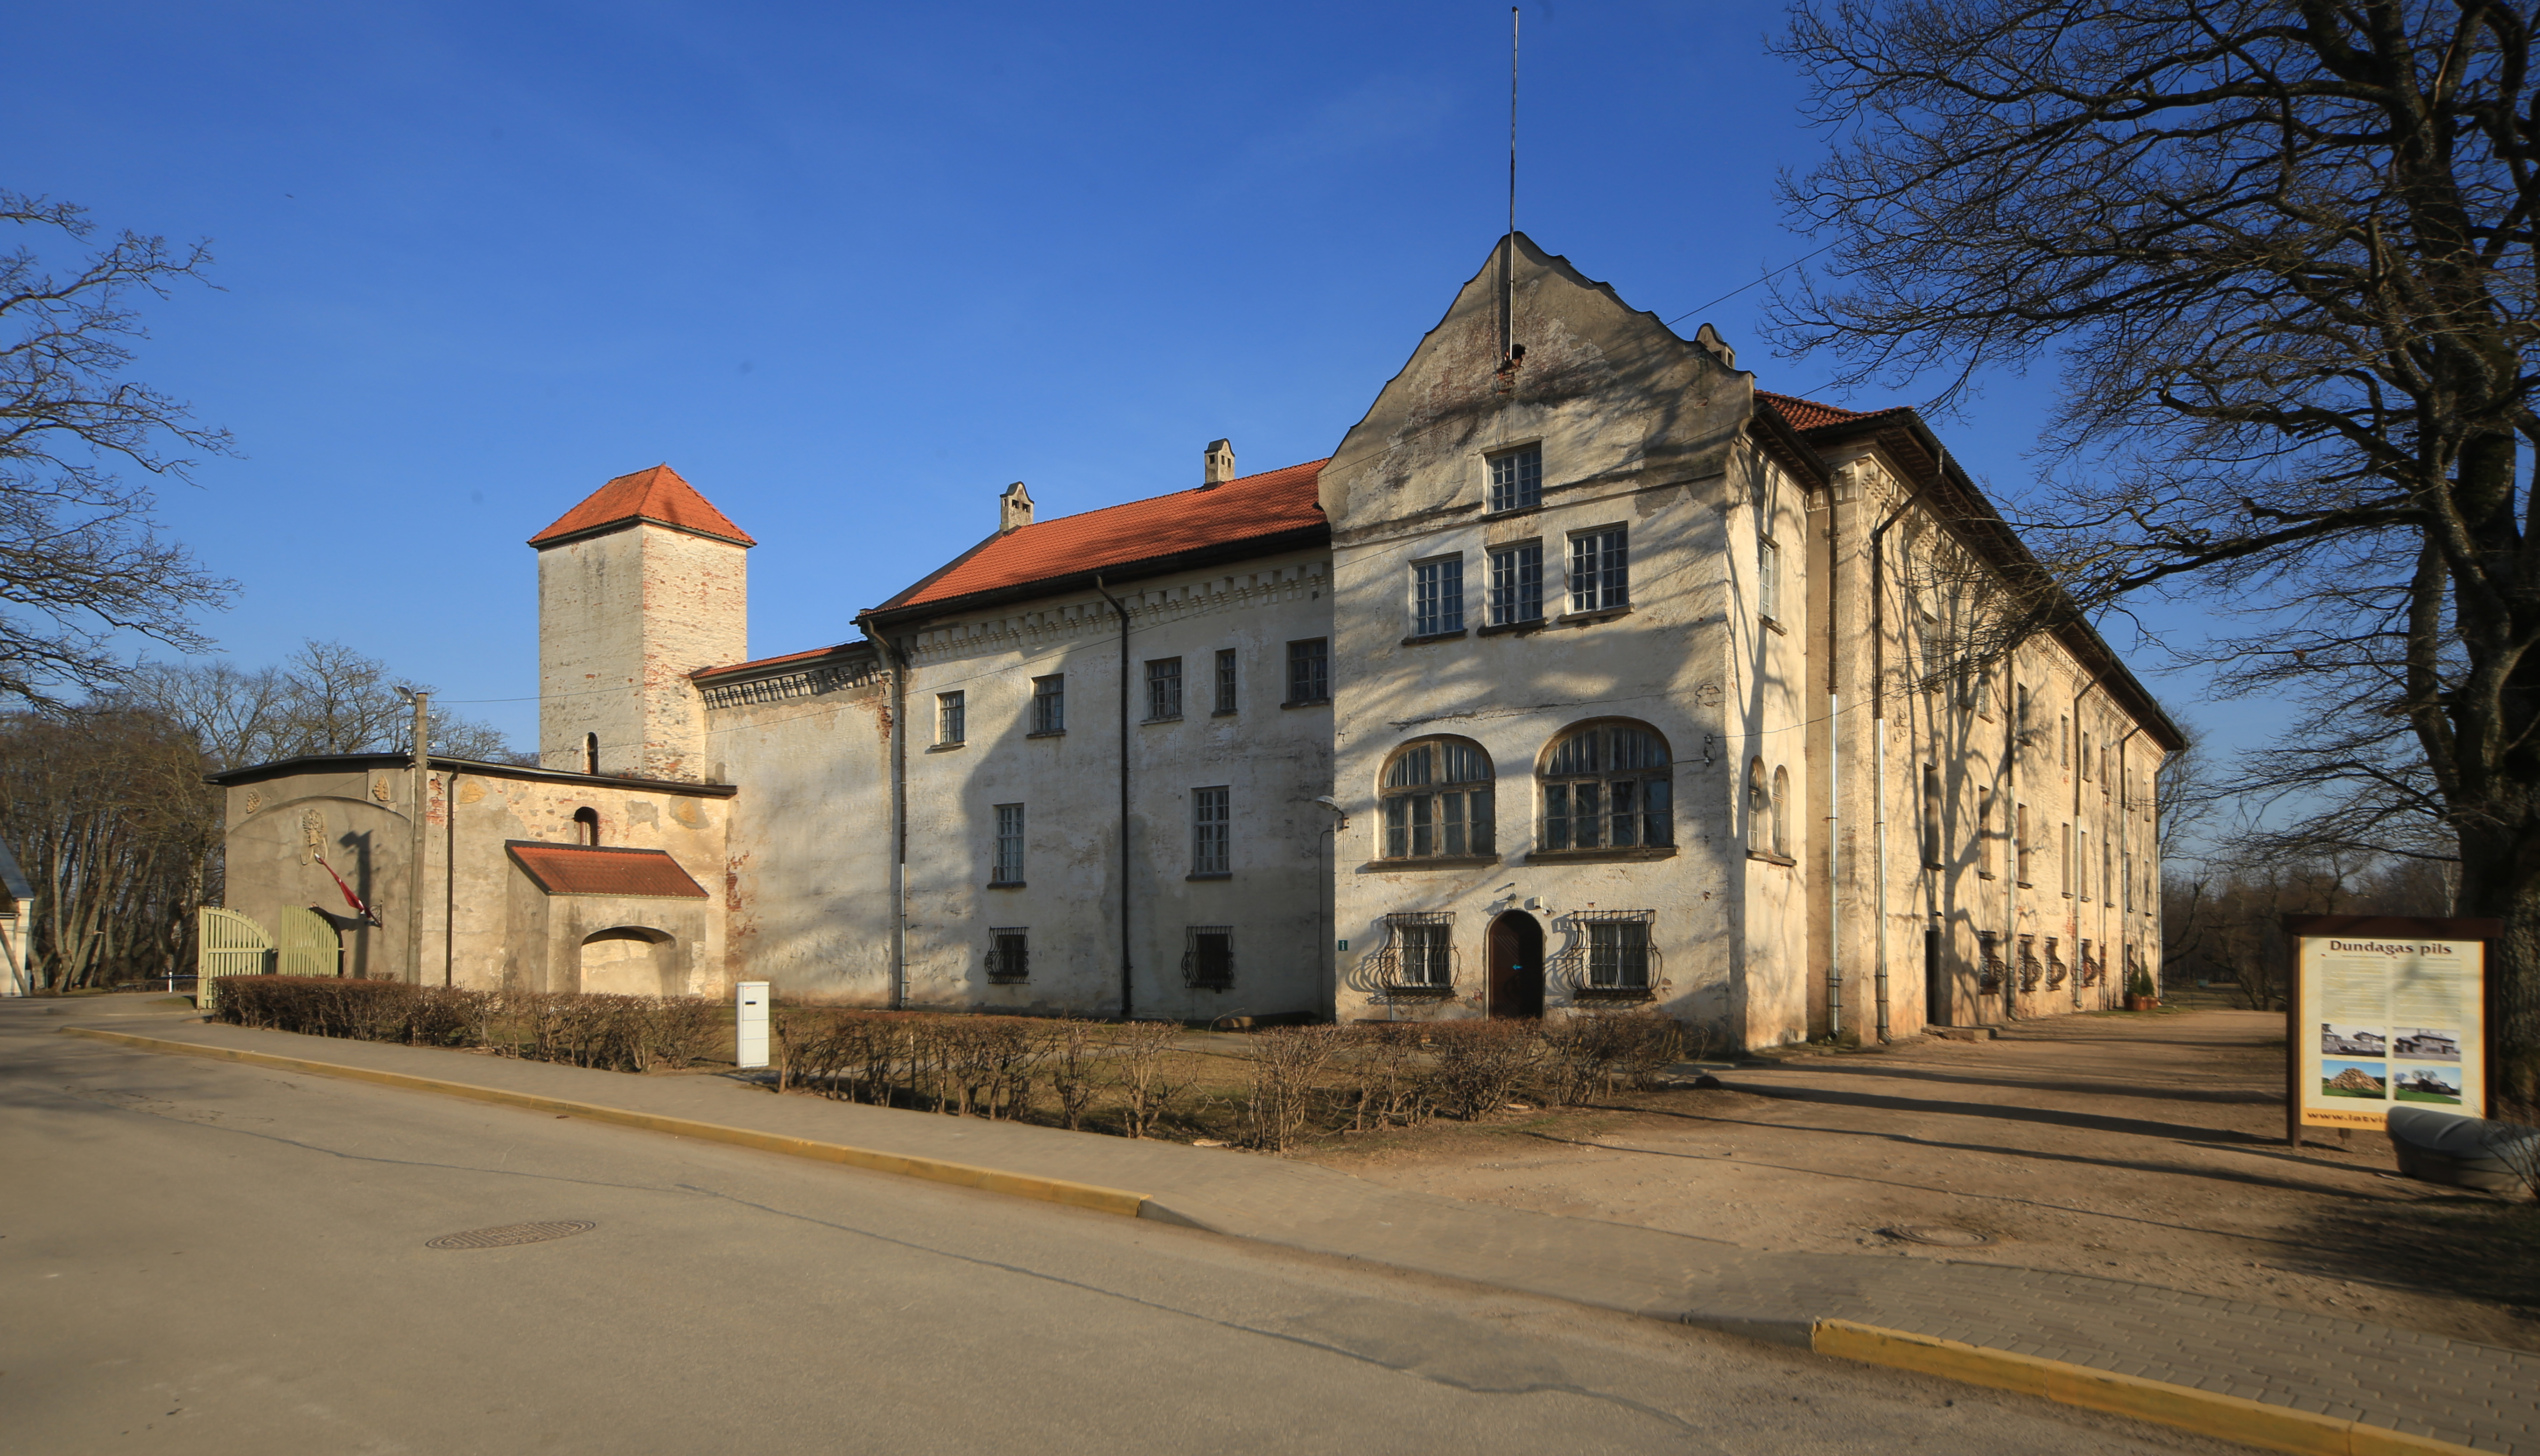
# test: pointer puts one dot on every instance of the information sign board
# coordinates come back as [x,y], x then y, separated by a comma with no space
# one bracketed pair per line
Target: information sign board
[2384,1011]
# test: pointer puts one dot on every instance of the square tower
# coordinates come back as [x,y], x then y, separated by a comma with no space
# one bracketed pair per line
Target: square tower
[640,586]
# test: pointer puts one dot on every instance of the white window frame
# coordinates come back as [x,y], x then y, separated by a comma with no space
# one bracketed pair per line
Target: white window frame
[1007,865]
[1516,479]
[1213,830]
[1163,689]
[1226,680]
[951,717]
[1600,570]
[1438,596]
[1516,584]
[1049,704]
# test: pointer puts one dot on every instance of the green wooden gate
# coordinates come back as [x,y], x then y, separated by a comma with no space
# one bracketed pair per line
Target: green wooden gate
[230,944]
[307,944]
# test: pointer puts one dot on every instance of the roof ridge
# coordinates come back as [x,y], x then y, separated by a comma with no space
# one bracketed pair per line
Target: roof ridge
[1188,490]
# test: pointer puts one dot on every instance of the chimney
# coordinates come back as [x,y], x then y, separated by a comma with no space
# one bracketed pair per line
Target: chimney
[1014,507]
[1220,464]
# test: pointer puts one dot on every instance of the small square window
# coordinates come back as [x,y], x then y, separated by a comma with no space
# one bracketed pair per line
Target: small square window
[1309,671]
[1208,957]
[1600,577]
[1516,479]
[1225,680]
[1010,953]
[1049,705]
[1437,596]
[1516,584]
[951,719]
[1163,689]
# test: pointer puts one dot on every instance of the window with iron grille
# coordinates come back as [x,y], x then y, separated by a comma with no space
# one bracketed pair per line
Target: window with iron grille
[1438,800]
[951,719]
[1208,957]
[1990,969]
[1517,478]
[1600,576]
[1516,584]
[1611,954]
[2030,968]
[1212,831]
[1009,845]
[1438,596]
[2054,965]
[1008,953]
[1225,680]
[1418,953]
[1163,689]
[1608,785]
[1309,670]
[1049,705]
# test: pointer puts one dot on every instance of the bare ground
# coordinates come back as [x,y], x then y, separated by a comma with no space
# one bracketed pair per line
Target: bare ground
[2142,1148]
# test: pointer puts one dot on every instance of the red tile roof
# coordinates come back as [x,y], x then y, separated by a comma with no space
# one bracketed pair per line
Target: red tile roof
[1808,414]
[1249,508]
[657,495]
[587,869]
[757,663]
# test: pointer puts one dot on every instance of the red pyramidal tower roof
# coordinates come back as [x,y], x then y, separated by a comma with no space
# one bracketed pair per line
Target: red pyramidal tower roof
[657,495]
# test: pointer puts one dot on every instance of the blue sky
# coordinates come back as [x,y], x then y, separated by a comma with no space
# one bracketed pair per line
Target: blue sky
[849,269]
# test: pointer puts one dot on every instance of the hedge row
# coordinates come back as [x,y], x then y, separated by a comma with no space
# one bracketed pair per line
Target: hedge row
[621,1033]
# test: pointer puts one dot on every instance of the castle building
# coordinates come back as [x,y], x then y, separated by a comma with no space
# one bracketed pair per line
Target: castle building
[1581,675]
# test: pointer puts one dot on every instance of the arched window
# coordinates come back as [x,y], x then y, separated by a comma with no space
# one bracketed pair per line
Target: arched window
[590,753]
[1759,808]
[1781,812]
[1608,784]
[1438,800]
[585,826]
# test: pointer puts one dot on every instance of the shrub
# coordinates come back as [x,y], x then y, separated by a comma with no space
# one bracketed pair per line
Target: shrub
[1139,1071]
[1286,1064]
[1481,1064]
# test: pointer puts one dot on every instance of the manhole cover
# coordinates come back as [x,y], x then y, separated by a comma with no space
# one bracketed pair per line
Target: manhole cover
[512,1233]
[1938,1233]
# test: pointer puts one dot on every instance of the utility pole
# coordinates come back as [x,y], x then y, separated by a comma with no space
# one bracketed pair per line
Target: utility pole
[414,860]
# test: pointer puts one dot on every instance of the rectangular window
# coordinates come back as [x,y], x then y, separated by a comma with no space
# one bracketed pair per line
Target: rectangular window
[2107,873]
[2130,884]
[1438,596]
[1163,689]
[1428,954]
[2082,862]
[2064,861]
[1008,953]
[1516,584]
[1600,570]
[1932,840]
[1309,671]
[1767,579]
[1618,954]
[1009,845]
[1516,479]
[952,723]
[1225,680]
[2019,843]
[1049,705]
[1212,832]
[1208,957]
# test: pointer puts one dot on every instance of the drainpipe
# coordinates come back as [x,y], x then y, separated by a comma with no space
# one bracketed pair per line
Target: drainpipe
[897,663]
[1834,784]
[449,879]
[1127,994]
[2125,850]
[1879,729]
[2076,870]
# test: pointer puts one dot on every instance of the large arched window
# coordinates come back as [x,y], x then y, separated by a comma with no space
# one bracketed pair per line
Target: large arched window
[1608,785]
[1438,800]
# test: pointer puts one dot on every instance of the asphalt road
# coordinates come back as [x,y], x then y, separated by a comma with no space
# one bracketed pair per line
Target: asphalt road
[197,1257]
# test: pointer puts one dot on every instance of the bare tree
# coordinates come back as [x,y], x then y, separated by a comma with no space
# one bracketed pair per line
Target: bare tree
[2282,253]
[327,698]
[80,557]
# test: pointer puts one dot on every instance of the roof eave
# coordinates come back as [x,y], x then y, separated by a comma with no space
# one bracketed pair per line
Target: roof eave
[310,763]
[542,540]
[1272,543]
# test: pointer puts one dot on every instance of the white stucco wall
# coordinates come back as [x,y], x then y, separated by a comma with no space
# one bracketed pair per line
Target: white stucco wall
[624,619]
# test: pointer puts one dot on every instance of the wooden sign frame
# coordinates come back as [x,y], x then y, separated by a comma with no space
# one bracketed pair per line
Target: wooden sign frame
[2303,1014]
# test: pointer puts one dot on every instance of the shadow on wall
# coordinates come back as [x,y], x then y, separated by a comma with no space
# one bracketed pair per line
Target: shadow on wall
[629,960]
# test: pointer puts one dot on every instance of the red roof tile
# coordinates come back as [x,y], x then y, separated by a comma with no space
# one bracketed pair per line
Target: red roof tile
[759,662]
[1808,414]
[1240,510]
[587,869]
[657,495]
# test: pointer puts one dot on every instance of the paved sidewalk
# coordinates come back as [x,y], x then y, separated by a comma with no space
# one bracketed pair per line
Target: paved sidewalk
[2472,1394]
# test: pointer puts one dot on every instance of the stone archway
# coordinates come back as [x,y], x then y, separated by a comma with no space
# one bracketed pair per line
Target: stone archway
[628,960]
[1515,953]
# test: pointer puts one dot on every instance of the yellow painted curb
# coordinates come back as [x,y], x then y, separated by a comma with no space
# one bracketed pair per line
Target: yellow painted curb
[938,1170]
[2226,1418]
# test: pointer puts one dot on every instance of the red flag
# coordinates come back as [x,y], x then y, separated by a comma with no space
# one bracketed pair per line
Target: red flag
[350,898]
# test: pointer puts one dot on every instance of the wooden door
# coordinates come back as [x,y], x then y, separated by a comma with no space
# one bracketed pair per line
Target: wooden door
[1517,967]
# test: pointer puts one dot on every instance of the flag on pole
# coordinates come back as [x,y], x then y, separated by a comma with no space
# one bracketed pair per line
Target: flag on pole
[350,898]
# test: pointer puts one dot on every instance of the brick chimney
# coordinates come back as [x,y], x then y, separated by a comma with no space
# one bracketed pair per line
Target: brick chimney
[1014,507]
[1220,464]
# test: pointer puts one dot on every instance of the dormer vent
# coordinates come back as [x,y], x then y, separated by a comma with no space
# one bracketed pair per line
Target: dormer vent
[1220,467]
[1014,507]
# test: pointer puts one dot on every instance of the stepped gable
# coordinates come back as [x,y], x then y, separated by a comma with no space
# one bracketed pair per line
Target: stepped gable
[1117,538]
[657,495]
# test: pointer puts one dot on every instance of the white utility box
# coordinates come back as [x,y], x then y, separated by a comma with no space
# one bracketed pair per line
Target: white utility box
[750,1023]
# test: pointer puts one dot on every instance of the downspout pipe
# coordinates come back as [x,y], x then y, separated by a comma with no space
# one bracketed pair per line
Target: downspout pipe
[896,664]
[1128,995]
[1834,778]
[1879,729]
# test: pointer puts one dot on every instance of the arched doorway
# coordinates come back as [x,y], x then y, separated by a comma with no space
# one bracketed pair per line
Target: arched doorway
[1517,965]
[627,961]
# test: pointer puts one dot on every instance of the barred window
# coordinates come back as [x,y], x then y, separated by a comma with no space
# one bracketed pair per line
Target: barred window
[1438,800]
[1309,670]
[1608,785]
[1517,478]
[1438,596]
[951,719]
[1516,584]
[1225,680]
[1049,705]
[1009,845]
[1600,575]
[1208,957]
[1212,831]
[1163,689]
[1618,954]
[1418,951]
[1008,953]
